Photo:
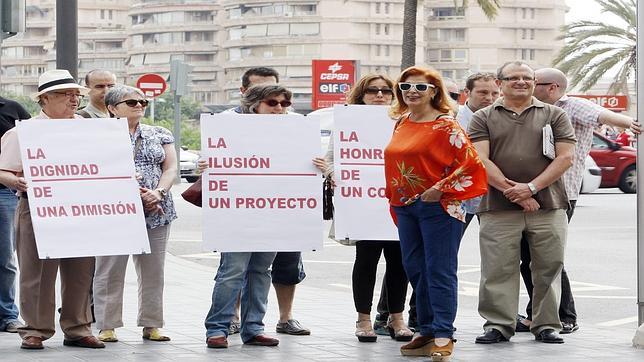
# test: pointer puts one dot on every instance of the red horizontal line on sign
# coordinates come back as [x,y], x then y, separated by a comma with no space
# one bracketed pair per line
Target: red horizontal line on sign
[83,178]
[260,174]
[361,164]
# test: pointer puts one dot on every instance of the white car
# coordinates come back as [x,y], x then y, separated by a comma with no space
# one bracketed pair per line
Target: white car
[592,176]
[188,164]
[326,126]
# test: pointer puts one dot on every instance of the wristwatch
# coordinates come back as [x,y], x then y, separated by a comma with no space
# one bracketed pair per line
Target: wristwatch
[532,188]
[163,192]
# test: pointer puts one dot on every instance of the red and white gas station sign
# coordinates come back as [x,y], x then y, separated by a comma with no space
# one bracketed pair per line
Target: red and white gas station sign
[612,102]
[152,85]
[332,81]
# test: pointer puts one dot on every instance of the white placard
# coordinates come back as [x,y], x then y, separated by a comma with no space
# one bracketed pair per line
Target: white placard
[83,196]
[261,191]
[361,209]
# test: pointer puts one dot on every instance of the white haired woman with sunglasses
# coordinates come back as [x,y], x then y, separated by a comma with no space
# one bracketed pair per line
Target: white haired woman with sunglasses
[249,273]
[155,161]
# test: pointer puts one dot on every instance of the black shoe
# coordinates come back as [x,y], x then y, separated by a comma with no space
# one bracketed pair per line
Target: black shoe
[520,326]
[491,336]
[549,336]
[568,327]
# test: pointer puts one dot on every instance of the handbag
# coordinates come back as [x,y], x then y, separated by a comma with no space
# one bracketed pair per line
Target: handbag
[327,199]
[193,193]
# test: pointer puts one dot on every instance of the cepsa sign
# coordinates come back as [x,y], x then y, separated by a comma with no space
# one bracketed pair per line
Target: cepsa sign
[332,81]
[612,102]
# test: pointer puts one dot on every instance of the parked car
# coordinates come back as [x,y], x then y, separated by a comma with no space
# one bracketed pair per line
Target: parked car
[617,163]
[592,176]
[326,126]
[188,164]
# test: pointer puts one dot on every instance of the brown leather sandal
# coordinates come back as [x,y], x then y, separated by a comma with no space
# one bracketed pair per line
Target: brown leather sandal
[442,353]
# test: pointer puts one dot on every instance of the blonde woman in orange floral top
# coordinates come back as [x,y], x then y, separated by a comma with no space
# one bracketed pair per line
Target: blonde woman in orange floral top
[430,168]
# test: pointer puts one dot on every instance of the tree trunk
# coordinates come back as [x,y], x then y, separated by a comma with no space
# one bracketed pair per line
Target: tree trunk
[409,35]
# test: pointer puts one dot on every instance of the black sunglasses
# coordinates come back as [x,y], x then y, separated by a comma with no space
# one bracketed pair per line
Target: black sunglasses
[133,102]
[374,90]
[455,96]
[273,103]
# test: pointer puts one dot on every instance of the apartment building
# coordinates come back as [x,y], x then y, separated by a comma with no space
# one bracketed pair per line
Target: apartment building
[101,43]
[463,41]
[223,38]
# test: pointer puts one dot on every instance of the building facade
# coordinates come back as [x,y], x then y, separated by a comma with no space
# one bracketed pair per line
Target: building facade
[221,39]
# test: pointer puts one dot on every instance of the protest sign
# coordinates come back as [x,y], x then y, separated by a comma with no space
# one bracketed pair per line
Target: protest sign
[261,191]
[83,195]
[360,137]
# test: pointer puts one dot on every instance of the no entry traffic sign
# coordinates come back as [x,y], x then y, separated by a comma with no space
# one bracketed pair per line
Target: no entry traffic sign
[152,85]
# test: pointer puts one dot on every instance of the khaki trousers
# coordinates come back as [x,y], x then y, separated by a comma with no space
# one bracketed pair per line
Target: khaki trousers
[109,282]
[500,244]
[38,286]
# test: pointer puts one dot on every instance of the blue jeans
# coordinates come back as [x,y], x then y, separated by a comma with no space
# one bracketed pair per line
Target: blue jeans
[250,273]
[429,241]
[8,308]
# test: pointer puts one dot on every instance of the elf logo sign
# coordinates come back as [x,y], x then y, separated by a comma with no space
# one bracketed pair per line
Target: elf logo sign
[332,80]
[612,102]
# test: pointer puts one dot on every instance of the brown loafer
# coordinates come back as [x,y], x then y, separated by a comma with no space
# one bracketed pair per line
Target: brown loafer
[217,342]
[262,340]
[32,342]
[85,342]
[419,346]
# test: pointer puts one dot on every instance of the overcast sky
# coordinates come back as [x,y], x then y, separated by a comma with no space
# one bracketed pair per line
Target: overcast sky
[584,10]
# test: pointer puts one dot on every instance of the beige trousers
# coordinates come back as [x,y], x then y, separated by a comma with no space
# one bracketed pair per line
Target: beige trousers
[500,243]
[38,286]
[109,281]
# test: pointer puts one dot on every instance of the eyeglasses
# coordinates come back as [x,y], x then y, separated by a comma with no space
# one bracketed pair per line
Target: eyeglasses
[547,84]
[374,91]
[455,96]
[420,87]
[516,79]
[70,94]
[132,102]
[274,103]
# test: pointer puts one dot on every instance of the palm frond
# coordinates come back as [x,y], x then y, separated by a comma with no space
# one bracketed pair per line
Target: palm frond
[593,48]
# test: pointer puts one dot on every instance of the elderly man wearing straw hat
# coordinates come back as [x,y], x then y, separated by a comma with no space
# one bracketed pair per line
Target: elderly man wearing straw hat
[58,96]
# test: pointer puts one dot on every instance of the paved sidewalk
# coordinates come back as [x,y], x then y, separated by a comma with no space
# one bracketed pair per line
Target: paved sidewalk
[330,316]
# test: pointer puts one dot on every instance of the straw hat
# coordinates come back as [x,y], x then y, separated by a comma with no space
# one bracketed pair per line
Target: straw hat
[56,79]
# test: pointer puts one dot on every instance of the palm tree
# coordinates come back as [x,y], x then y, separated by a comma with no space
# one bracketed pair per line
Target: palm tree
[593,48]
[489,7]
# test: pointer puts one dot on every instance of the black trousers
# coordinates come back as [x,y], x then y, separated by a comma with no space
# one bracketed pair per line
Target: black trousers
[567,311]
[364,275]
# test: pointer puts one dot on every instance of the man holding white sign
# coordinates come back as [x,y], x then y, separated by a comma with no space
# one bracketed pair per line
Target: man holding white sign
[59,95]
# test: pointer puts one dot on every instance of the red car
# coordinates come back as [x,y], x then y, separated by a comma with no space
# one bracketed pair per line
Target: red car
[617,163]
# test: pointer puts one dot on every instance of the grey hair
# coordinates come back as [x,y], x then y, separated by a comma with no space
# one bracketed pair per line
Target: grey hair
[119,91]
[257,93]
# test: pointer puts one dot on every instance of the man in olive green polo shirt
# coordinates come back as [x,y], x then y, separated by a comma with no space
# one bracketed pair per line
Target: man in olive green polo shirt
[526,197]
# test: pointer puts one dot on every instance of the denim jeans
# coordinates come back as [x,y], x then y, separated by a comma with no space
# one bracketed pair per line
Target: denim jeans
[8,308]
[429,241]
[249,273]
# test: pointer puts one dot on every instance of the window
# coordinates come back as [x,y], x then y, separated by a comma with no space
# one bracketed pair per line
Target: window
[234,54]
[198,36]
[278,29]
[446,13]
[528,54]
[377,8]
[532,11]
[448,55]
[305,29]
[235,33]
[532,31]
[255,30]
[386,28]
[234,13]
[523,33]
[447,35]
[387,8]
[377,29]
[523,13]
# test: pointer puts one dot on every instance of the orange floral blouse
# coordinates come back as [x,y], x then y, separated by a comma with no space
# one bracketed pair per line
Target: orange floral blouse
[433,154]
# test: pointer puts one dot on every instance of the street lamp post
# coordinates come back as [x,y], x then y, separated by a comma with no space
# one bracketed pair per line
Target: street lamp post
[638,341]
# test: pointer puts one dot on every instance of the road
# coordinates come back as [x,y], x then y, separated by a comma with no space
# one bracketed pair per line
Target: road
[601,258]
